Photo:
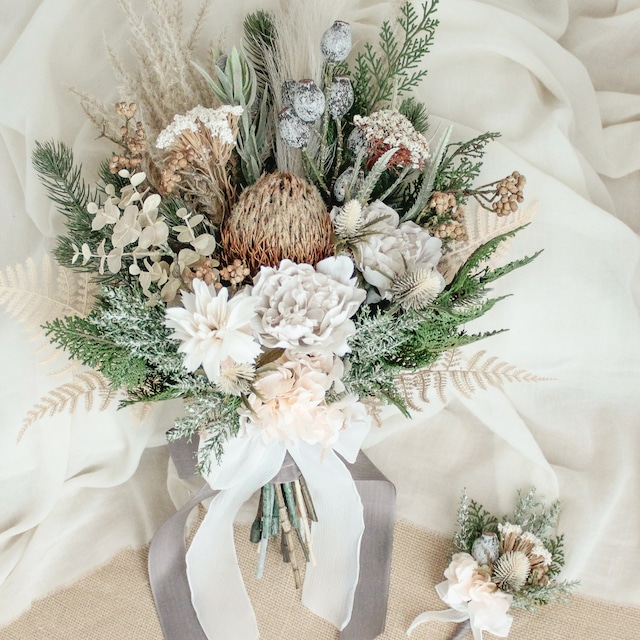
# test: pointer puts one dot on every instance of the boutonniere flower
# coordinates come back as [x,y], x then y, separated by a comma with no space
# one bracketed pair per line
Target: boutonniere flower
[500,564]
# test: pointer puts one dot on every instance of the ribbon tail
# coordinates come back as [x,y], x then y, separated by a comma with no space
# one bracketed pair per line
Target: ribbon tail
[218,593]
[168,575]
[448,615]
[329,587]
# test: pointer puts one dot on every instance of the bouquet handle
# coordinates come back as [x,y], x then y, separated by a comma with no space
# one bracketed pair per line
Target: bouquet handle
[167,564]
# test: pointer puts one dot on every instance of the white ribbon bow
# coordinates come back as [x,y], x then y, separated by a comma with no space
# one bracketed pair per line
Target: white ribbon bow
[485,613]
[218,593]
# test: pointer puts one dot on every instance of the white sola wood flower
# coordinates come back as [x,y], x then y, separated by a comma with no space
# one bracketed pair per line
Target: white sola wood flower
[213,328]
[307,309]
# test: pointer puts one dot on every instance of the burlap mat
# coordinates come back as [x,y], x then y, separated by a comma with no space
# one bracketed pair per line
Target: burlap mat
[115,602]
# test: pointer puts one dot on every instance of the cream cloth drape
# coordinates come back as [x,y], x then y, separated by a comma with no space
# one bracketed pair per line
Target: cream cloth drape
[560,80]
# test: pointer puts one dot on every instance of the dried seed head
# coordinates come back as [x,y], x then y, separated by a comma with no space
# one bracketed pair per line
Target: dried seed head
[340,96]
[280,216]
[417,289]
[511,571]
[293,131]
[343,181]
[348,220]
[486,548]
[336,41]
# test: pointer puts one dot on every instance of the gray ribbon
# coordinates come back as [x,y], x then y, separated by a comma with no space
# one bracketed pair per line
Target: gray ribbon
[168,567]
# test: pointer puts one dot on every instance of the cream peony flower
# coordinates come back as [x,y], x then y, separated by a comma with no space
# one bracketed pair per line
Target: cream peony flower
[213,328]
[306,309]
[391,249]
[289,405]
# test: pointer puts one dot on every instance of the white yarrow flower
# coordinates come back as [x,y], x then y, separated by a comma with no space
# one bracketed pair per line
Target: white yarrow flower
[214,120]
[213,328]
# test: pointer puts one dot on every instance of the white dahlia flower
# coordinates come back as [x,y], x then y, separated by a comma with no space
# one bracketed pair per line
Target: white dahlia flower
[213,328]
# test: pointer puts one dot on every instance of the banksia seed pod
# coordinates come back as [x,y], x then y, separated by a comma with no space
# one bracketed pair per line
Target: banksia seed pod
[308,101]
[280,216]
[340,96]
[293,131]
[336,41]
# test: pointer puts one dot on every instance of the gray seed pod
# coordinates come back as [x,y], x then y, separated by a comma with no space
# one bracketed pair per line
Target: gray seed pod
[308,101]
[340,96]
[336,42]
[356,141]
[343,181]
[486,548]
[293,131]
[287,92]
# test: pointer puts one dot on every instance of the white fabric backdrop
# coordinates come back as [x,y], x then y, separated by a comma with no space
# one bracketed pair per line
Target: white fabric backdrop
[559,79]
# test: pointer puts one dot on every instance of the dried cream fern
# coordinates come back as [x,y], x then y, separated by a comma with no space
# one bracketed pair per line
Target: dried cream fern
[482,226]
[466,376]
[87,386]
[35,296]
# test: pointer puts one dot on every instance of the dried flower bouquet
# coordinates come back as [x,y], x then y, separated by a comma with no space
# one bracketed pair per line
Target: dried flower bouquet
[269,248]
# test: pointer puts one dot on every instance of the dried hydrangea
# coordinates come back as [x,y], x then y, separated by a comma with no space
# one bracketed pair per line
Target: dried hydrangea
[289,404]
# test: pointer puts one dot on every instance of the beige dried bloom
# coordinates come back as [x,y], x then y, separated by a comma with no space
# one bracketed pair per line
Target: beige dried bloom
[509,194]
[132,141]
[236,272]
[200,143]
[388,129]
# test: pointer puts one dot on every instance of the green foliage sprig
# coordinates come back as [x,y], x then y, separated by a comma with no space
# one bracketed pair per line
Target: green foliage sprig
[218,416]
[462,163]
[380,75]
[62,178]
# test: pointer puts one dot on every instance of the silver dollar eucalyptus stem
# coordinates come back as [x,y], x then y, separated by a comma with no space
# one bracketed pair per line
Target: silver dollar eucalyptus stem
[462,630]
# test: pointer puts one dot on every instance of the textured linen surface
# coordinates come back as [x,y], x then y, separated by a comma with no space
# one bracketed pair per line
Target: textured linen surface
[560,80]
[120,593]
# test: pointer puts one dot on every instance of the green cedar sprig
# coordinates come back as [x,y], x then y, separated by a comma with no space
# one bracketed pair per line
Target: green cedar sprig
[215,413]
[462,163]
[392,70]
[472,519]
[86,343]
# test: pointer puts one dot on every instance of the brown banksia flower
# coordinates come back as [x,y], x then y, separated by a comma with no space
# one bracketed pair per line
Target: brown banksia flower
[280,216]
